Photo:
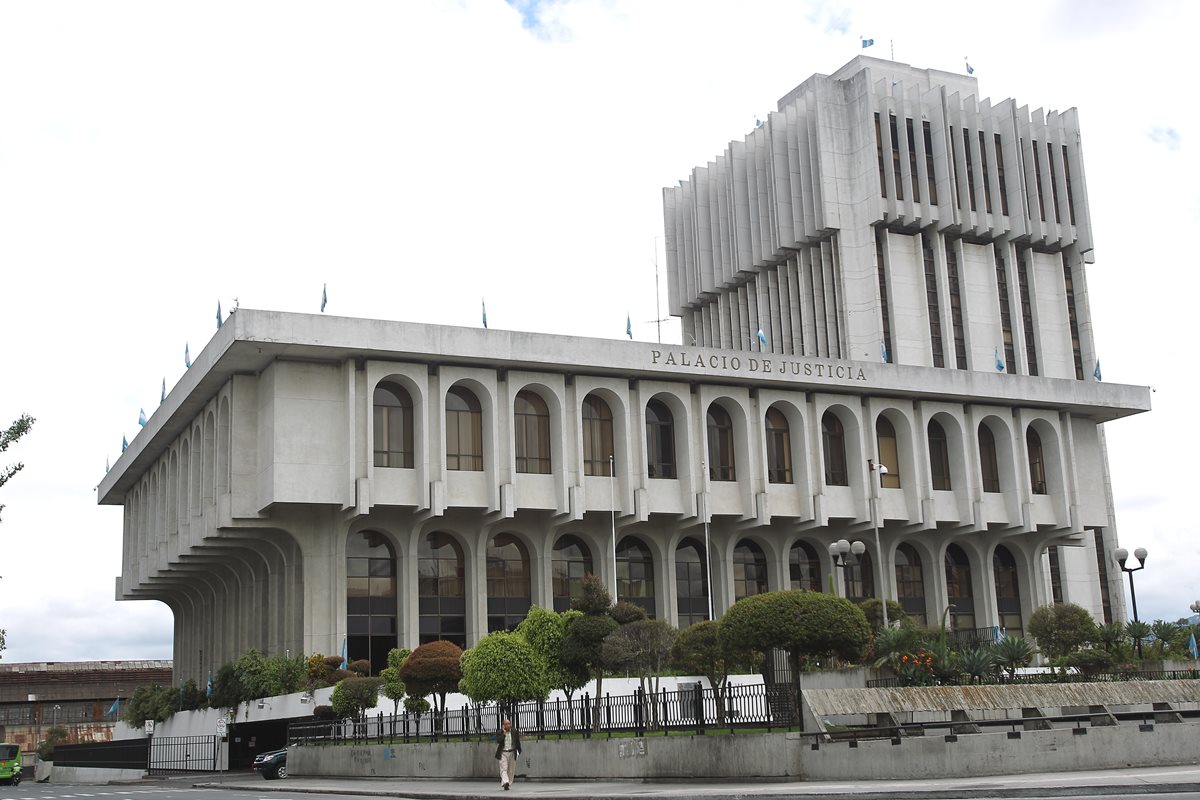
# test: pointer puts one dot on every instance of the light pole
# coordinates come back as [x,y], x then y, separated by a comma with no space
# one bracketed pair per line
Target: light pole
[57,708]
[845,555]
[1195,607]
[1122,555]
[707,545]
[882,470]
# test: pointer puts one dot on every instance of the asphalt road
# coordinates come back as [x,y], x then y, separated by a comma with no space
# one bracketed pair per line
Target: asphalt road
[27,791]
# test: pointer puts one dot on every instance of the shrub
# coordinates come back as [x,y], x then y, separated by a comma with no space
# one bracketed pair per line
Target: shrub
[324,712]
[434,668]
[505,669]
[626,612]
[54,737]
[1061,629]
[1090,662]
[353,697]
[360,667]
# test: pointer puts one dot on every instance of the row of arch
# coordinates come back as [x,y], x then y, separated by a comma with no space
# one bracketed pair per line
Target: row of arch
[373,593]
[393,441]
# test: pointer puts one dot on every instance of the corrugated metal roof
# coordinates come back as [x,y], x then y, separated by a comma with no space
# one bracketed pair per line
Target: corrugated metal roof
[83,666]
[828,702]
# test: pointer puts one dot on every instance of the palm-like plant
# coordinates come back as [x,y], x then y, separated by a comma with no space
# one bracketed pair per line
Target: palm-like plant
[1164,633]
[892,643]
[1014,651]
[1137,631]
[1111,636]
[978,662]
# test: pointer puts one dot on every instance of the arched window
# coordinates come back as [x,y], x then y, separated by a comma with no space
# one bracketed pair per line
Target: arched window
[393,427]
[939,457]
[720,445]
[804,568]
[442,590]
[464,431]
[959,593]
[660,441]
[987,459]
[597,436]
[860,579]
[571,561]
[531,423]
[833,445]
[889,452]
[910,582]
[749,570]
[1037,464]
[635,574]
[779,447]
[370,598]
[691,583]
[507,582]
[1008,591]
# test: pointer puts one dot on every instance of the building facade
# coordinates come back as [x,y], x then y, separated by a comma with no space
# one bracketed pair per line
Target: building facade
[314,480]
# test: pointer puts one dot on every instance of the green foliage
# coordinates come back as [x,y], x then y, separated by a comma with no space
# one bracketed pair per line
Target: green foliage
[642,647]
[353,697]
[892,643]
[150,702]
[193,697]
[916,669]
[594,597]
[947,663]
[626,612]
[1061,629]
[1013,652]
[435,669]
[978,662]
[228,688]
[582,648]
[1137,631]
[324,712]
[360,667]
[54,737]
[1090,662]
[699,650]
[545,631]
[416,706]
[873,610]
[503,668]
[1111,636]
[393,685]
[805,624]
[10,436]
[1165,634]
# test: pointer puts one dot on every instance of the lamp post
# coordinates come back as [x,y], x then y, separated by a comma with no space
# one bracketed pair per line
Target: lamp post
[1195,607]
[882,470]
[845,555]
[1122,555]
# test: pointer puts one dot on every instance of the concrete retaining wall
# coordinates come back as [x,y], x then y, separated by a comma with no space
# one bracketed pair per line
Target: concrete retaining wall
[770,756]
[94,775]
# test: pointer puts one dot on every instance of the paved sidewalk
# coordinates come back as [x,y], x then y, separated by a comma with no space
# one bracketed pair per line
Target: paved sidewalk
[1150,780]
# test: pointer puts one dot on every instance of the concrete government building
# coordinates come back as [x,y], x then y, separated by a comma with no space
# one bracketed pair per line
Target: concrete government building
[916,259]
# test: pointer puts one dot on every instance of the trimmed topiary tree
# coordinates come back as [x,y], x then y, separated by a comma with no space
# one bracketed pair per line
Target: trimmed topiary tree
[545,630]
[433,669]
[699,650]
[1061,629]
[503,669]
[353,697]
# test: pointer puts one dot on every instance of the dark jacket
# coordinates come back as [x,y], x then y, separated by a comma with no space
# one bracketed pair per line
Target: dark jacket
[500,742]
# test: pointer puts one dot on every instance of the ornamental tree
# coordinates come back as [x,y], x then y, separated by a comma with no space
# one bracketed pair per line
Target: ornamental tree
[699,650]
[1061,629]
[393,685]
[435,669]
[582,646]
[505,669]
[353,697]
[545,630]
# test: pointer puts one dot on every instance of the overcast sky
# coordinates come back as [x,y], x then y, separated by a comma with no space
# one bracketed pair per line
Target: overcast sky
[157,158]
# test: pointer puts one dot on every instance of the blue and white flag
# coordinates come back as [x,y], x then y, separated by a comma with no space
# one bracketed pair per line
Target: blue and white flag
[1192,646]
[762,337]
[324,298]
[106,467]
[218,315]
[208,691]
[1096,371]
[483,306]
[164,391]
[142,417]
[867,43]
[115,708]
[970,69]
[757,122]
[124,444]
[345,663]
[883,353]
[628,326]
[187,356]
[999,361]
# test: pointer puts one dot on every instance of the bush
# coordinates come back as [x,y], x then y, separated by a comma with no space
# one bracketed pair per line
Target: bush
[872,608]
[360,667]
[505,669]
[324,712]
[434,668]
[353,697]
[803,623]
[150,702]
[1090,662]
[626,612]
[54,737]
[1061,629]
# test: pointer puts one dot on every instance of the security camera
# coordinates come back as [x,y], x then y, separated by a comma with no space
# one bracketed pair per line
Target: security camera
[882,469]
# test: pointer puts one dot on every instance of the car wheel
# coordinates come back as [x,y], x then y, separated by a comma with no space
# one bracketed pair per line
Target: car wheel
[282,771]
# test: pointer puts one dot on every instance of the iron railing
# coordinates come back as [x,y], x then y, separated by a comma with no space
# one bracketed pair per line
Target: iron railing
[119,754]
[183,754]
[1051,677]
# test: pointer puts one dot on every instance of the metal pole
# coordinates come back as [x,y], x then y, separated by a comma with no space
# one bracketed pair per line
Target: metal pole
[707,546]
[1133,598]
[878,546]
[612,501]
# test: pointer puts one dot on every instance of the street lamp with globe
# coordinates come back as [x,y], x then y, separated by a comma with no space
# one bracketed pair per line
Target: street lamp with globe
[1122,555]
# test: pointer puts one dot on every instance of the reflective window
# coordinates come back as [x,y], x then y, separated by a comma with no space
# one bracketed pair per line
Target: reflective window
[442,605]
[597,437]
[1037,464]
[958,589]
[889,455]
[464,431]
[749,570]
[720,445]
[833,444]
[370,598]
[660,441]
[803,567]
[779,447]
[531,434]
[939,457]
[860,579]
[393,427]
[508,582]
[1008,591]
[635,574]
[987,459]
[691,583]
[910,582]
[571,561]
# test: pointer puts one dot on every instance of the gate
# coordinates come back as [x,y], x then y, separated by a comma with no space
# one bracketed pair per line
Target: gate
[184,754]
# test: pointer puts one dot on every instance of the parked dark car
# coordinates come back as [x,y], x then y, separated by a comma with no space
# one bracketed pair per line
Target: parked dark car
[272,765]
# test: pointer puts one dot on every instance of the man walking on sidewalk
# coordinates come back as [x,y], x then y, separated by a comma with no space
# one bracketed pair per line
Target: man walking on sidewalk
[508,747]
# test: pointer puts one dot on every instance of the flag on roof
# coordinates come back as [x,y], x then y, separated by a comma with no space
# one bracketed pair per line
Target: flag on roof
[187,356]
[483,306]
[218,315]
[1096,371]
[142,417]
[867,43]
[164,391]
[124,444]
[970,69]
[324,298]
[628,326]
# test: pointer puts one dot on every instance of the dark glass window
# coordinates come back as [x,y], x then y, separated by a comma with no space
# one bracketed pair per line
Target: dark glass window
[635,574]
[910,582]
[441,573]
[370,598]
[958,589]
[1053,178]
[931,300]
[987,179]
[1073,319]
[1037,172]
[889,452]
[1037,464]
[749,570]
[833,446]
[879,151]
[1070,194]
[597,437]
[1102,557]
[939,457]
[804,569]
[927,133]
[956,316]
[691,583]
[884,312]
[1008,593]
[720,445]
[1027,311]
[393,427]
[1010,357]
[1000,175]
[660,441]
[860,579]
[508,582]
[1056,592]
[531,434]
[987,459]
[966,137]
[464,431]
[896,157]
[571,561]
[912,160]
[779,447]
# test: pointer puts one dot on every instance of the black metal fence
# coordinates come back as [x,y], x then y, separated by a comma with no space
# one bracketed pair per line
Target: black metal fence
[183,754]
[1033,678]
[119,754]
